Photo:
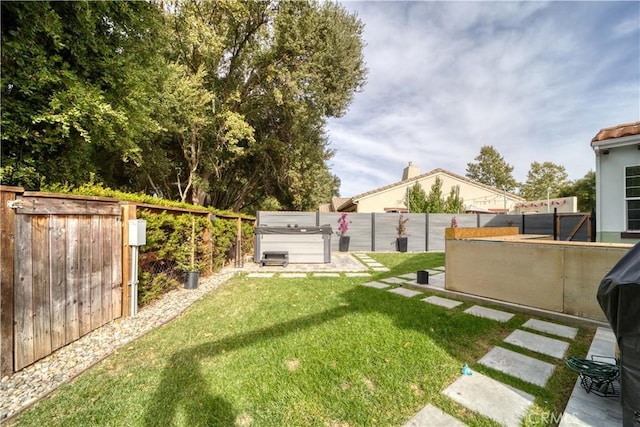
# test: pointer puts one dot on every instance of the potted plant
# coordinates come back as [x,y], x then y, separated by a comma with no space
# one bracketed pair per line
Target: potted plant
[402,241]
[343,227]
[192,274]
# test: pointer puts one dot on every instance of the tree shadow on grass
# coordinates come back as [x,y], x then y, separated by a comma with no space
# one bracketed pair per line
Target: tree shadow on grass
[183,384]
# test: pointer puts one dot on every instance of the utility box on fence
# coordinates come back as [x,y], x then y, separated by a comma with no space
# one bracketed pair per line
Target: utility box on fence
[137,232]
[303,244]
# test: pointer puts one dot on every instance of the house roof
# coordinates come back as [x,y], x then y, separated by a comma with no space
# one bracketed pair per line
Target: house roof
[335,204]
[617,131]
[425,175]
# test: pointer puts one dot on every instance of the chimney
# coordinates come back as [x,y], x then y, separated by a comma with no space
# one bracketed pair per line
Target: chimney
[410,171]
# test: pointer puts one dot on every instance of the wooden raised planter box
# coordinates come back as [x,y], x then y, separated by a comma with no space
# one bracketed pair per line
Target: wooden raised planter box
[474,232]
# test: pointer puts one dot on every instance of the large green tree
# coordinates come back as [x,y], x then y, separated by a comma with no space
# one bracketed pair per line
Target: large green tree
[490,168]
[76,85]
[585,191]
[276,71]
[215,102]
[545,179]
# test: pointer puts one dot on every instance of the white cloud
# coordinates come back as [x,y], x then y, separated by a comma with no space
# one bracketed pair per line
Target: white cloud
[535,80]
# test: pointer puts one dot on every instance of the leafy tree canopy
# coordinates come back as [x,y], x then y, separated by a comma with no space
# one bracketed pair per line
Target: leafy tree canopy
[417,201]
[220,103]
[544,179]
[490,168]
[585,190]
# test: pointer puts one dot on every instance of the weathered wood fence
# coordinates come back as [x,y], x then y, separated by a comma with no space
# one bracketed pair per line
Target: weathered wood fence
[64,270]
[67,277]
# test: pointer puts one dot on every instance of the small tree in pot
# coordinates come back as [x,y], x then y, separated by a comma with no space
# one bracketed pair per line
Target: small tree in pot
[189,256]
[402,241]
[343,227]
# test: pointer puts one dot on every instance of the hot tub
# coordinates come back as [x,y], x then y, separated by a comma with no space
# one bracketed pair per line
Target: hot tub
[305,245]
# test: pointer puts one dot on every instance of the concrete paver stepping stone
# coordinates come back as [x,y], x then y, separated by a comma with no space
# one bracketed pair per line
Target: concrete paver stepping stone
[375,264]
[437,281]
[493,399]
[380,269]
[518,365]
[405,292]
[551,328]
[433,416]
[538,343]
[376,285]
[410,276]
[442,302]
[260,274]
[489,313]
[358,274]
[393,280]
[326,274]
[293,275]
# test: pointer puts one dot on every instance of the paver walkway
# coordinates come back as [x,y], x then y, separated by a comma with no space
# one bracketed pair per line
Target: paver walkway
[493,399]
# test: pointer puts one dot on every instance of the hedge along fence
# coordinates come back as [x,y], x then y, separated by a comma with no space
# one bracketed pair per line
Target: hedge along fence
[65,264]
[166,257]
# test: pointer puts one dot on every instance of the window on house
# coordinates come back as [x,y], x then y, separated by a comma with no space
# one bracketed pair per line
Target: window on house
[632,196]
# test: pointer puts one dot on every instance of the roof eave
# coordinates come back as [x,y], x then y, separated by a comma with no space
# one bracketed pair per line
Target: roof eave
[615,142]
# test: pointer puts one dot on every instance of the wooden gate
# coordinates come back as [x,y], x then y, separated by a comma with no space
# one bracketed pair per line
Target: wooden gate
[573,227]
[67,277]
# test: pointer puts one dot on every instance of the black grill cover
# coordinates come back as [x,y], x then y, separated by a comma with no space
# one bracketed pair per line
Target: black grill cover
[619,298]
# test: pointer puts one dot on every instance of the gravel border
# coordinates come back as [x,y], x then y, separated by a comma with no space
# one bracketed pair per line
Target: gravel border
[27,386]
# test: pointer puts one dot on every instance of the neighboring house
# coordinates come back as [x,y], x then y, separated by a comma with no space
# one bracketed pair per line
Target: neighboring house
[617,150]
[477,197]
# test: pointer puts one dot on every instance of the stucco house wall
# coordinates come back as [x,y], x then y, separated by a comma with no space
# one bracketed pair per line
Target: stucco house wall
[613,155]
[474,195]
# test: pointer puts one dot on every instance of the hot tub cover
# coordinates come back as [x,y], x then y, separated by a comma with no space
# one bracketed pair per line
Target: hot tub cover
[619,298]
[325,229]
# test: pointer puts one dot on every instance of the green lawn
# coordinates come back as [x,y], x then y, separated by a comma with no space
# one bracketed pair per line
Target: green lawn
[297,352]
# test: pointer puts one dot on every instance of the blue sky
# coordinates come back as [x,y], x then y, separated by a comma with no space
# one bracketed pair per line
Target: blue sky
[536,80]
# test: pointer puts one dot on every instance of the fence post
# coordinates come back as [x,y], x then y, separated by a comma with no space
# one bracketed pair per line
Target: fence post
[7,242]
[239,262]
[128,212]
[556,224]
[373,232]
[426,232]
[206,237]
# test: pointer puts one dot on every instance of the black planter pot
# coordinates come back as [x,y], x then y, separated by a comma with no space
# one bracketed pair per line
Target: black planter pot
[343,244]
[191,279]
[402,243]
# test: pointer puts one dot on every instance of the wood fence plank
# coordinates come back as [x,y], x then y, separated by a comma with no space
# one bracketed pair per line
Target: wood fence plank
[84,274]
[7,248]
[72,316]
[41,287]
[107,259]
[128,212]
[95,275]
[34,205]
[58,255]
[116,268]
[23,295]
